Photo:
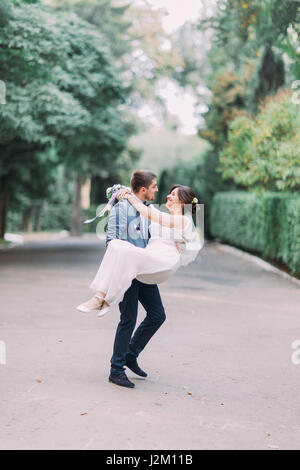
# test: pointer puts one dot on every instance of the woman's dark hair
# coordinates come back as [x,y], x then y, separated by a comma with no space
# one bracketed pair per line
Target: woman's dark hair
[186,195]
[141,179]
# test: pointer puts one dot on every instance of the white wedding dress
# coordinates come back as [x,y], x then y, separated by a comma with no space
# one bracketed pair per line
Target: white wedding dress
[124,262]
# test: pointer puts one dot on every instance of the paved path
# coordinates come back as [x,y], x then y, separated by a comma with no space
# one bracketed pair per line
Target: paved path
[220,369]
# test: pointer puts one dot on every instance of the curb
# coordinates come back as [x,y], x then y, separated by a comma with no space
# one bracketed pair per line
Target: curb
[10,246]
[256,260]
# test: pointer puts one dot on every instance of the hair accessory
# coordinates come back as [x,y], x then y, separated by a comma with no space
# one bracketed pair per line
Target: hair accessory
[195,201]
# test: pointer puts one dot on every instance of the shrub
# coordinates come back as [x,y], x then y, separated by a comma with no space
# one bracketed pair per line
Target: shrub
[268,224]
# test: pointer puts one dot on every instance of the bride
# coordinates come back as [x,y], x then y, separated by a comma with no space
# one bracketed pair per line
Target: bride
[174,242]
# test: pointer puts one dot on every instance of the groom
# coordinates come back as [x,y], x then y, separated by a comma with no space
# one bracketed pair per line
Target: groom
[125,223]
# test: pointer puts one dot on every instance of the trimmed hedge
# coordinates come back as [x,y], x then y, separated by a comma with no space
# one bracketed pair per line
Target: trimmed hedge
[267,224]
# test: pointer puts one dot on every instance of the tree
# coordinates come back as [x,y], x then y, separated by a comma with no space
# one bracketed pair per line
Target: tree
[62,91]
[242,27]
[263,152]
[33,112]
[109,19]
[135,35]
[249,37]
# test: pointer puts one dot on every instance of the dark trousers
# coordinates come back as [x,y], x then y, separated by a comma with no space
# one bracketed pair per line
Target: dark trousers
[125,345]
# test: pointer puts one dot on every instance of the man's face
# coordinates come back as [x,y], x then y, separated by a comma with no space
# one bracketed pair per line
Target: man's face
[150,192]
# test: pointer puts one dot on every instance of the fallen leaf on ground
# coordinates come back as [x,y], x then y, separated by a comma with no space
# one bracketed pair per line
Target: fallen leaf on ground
[39,381]
[83,414]
[189,393]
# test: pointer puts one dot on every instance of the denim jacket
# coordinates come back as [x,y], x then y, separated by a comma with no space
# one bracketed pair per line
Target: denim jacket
[125,223]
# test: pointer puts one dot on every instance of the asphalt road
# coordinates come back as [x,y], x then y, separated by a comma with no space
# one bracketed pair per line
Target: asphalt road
[220,368]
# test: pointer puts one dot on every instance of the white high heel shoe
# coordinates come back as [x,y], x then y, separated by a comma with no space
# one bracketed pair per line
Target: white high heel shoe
[102,311]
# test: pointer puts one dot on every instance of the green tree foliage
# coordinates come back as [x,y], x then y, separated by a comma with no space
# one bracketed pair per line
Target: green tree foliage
[135,35]
[63,91]
[263,152]
[108,18]
[248,38]
[5,12]
[242,27]
[227,101]
[245,64]
[136,38]
[245,58]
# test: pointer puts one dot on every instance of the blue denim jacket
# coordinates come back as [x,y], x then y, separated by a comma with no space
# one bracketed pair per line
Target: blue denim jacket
[125,223]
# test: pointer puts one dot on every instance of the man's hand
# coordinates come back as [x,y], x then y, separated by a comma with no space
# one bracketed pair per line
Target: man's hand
[122,193]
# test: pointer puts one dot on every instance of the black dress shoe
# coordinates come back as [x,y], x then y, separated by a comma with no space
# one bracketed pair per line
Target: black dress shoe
[133,365]
[122,380]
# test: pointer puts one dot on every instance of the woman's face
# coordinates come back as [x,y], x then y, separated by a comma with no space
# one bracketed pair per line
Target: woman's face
[173,201]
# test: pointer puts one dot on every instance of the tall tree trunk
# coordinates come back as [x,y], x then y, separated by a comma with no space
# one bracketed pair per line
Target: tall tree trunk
[77,210]
[86,194]
[3,205]
[27,220]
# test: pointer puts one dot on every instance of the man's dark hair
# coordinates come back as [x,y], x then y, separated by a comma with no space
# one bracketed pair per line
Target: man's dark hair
[141,179]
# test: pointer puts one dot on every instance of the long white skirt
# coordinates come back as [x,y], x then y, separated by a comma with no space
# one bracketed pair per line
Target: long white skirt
[124,262]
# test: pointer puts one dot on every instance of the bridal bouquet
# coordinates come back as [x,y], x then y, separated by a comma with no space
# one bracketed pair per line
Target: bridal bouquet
[111,194]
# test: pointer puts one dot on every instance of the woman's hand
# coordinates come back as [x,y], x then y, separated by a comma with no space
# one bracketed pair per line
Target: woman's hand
[123,193]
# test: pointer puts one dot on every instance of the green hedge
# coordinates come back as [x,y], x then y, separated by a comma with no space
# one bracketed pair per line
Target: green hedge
[267,224]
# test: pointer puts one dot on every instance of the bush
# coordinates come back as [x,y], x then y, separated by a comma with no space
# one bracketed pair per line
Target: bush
[263,153]
[14,222]
[54,217]
[268,224]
